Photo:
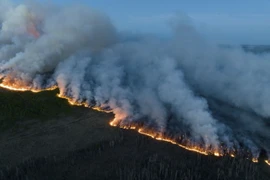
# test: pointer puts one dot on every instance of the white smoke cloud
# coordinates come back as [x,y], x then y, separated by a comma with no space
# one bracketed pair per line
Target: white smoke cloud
[167,84]
[61,34]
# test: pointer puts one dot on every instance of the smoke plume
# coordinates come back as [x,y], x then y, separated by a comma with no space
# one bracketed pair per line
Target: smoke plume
[179,86]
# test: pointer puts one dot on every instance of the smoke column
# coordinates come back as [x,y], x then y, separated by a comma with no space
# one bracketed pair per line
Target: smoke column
[181,86]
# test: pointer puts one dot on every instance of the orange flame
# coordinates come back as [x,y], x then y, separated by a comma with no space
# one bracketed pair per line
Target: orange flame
[115,123]
[189,147]
[23,89]
[85,104]
[71,102]
[160,137]
[255,160]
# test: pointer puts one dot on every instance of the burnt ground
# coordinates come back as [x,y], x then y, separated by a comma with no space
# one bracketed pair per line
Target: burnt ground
[45,138]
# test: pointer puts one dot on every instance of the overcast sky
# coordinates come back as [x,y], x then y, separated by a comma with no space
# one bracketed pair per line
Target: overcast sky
[223,21]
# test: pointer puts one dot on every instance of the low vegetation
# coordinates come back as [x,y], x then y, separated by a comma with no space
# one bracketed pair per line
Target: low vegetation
[133,157]
[126,156]
[17,107]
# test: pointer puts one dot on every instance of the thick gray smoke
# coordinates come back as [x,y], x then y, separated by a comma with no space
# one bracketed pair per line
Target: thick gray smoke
[181,85]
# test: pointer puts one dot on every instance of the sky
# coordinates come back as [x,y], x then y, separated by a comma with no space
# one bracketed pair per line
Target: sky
[228,22]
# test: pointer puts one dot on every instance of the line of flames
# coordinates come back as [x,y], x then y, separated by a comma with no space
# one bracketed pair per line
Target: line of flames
[24,89]
[160,137]
[188,147]
[114,123]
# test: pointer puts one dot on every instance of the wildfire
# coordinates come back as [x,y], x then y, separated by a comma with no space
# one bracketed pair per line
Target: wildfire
[71,102]
[189,147]
[217,154]
[85,104]
[100,109]
[255,160]
[146,132]
[112,124]
[23,89]
[160,137]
